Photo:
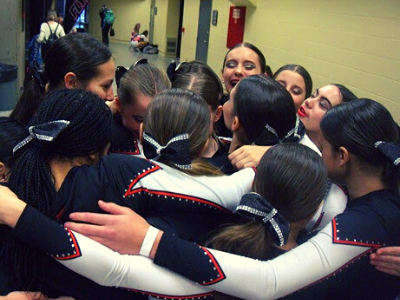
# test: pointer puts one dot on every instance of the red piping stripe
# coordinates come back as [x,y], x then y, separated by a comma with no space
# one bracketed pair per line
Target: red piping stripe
[216,265]
[77,249]
[182,196]
[129,192]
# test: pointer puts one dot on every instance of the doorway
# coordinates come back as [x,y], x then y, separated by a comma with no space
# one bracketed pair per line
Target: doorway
[178,45]
[153,13]
[203,30]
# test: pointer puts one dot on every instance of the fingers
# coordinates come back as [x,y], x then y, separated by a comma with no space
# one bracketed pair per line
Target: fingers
[92,218]
[389,271]
[387,260]
[113,208]
[389,251]
[236,158]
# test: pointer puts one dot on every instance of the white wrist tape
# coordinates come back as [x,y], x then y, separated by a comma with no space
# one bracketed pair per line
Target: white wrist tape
[148,241]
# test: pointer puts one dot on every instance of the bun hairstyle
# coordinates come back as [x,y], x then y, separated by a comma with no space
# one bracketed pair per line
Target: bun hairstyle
[358,126]
[260,100]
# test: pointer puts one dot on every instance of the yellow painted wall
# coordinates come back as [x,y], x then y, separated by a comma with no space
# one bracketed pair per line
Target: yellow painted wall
[356,43]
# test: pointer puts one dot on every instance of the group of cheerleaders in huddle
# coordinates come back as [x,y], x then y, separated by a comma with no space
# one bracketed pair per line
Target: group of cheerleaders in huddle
[284,230]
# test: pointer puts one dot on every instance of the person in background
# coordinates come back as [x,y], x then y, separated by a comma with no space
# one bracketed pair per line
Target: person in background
[138,40]
[105,24]
[50,31]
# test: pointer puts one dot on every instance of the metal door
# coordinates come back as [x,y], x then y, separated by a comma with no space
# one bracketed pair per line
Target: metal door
[153,12]
[203,30]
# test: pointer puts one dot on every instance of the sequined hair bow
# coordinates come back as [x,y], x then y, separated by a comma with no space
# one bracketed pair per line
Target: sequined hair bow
[268,136]
[176,150]
[255,206]
[43,132]
[391,150]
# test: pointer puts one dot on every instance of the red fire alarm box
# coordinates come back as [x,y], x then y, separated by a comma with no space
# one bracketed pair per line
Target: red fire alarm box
[237,16]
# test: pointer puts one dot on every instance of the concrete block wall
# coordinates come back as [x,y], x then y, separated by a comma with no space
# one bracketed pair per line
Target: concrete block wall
[356,43]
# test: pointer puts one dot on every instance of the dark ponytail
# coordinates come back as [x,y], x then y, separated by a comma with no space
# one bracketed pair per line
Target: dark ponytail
[357,126]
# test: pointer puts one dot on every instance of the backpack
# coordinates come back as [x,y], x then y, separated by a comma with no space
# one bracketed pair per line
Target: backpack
[149,49]
[109,17]
[52,38]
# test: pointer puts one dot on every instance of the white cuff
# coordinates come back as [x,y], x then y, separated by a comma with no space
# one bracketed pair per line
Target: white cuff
[148,241]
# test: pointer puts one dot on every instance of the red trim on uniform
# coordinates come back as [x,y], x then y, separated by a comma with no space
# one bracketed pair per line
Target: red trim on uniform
[217,267]
[139,177]
[76,247]
[371,248]
[178,196]
[59,215]
[336,241]
[137,152]
[194,296]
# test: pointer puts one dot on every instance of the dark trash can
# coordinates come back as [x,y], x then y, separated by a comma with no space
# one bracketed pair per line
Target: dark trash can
[8,86]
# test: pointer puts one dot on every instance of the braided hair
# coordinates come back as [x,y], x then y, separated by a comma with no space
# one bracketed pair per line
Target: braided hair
[11,132]
[31,178]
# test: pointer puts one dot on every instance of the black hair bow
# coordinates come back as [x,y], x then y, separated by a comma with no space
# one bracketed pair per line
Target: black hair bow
[176,150]
[255,206]
[391,150]
[43,132]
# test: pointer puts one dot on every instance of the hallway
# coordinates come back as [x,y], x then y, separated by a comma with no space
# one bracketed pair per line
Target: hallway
[125,56]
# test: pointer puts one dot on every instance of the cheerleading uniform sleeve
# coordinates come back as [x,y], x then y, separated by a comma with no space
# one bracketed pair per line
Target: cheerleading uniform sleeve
[338,254]
[100,264]
[253,279]
[335,262]
[146,186]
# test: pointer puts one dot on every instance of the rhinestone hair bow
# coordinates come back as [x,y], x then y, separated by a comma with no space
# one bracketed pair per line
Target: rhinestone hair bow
[268,136]
[176,150]
[254,206]
[296,133]
[43,132]
[391,150]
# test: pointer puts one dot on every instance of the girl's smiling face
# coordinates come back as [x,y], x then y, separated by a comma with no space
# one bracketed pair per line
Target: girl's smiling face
[239,63]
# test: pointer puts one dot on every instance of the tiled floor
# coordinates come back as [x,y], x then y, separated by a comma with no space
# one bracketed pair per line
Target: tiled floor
[125,56]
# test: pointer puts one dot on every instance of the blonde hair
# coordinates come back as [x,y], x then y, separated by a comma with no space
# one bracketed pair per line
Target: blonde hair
[177,111]
[143,79]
